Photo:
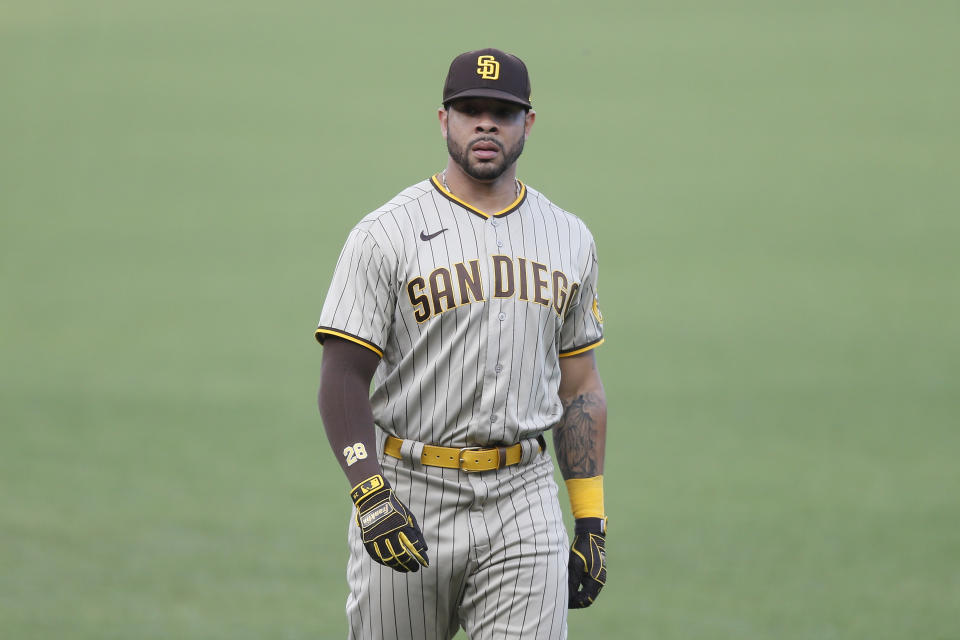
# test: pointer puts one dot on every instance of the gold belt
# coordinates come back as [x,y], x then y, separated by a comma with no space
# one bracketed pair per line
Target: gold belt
[465,458]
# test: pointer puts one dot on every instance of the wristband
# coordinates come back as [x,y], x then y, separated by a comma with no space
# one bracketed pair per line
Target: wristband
[586,497]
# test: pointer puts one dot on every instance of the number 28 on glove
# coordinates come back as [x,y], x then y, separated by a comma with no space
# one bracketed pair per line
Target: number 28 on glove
[389,531]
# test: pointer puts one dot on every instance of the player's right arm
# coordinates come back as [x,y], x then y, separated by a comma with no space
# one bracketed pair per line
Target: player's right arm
[344,400]
[390,532]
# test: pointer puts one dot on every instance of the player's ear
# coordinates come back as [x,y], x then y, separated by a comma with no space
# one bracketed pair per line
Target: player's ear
[442,115]
[528,122]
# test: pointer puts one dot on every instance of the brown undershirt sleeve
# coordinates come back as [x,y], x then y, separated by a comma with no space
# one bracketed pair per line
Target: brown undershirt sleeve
[344,400]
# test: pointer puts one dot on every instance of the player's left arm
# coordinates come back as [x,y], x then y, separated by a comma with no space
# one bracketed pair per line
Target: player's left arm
[581,434]
[579,439]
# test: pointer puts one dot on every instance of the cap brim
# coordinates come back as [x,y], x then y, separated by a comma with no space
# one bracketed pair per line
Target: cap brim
[480,92]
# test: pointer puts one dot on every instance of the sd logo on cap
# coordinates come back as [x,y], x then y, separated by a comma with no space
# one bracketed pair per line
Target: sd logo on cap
[487,73]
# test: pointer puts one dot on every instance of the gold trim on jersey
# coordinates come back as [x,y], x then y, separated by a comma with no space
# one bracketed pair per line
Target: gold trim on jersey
[583,349]
[438,185]
[347,336]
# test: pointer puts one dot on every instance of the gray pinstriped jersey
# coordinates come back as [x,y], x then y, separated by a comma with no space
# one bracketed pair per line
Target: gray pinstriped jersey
[469,312]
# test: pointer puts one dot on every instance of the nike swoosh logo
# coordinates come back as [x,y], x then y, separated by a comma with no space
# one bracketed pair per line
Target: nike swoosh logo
[424,236]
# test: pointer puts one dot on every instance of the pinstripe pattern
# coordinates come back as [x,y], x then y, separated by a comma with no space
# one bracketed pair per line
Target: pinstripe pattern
[481,373]
[500,565]
[470,355]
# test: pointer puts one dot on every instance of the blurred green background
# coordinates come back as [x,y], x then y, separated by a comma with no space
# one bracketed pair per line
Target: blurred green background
[773,188]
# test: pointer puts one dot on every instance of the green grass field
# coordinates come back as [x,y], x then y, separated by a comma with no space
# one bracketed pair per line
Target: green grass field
[773,188]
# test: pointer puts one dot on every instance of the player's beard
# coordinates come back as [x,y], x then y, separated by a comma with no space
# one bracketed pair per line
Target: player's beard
[479,170]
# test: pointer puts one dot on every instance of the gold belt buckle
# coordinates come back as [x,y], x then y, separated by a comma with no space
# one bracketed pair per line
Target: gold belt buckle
[462,449]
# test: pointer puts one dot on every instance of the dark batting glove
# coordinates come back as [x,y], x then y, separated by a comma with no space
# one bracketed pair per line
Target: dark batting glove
[587,569]
[390,533]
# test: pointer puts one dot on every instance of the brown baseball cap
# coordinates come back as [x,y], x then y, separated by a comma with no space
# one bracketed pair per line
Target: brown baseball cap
[488,73]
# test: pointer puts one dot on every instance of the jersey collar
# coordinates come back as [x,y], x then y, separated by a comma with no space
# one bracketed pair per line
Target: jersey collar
[438,185]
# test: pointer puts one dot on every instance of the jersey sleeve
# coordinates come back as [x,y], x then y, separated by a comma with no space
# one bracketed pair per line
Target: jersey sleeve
[361,298]
[582,328]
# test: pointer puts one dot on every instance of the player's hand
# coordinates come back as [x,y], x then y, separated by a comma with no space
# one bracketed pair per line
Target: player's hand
[390,532]
[587,569]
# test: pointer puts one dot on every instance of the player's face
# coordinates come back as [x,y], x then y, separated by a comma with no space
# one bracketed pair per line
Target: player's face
[485,136]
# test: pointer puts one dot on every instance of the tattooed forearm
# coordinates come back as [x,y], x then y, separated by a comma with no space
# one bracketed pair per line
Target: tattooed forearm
[580,435]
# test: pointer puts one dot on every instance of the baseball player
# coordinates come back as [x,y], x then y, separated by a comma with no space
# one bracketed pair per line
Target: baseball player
[470,301]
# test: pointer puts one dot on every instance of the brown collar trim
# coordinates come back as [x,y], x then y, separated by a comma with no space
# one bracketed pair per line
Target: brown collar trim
[438,185]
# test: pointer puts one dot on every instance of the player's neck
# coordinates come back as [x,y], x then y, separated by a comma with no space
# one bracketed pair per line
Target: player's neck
[487,196]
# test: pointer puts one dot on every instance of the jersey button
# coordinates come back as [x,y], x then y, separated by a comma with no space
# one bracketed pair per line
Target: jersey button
[493,418]
[494,223]
[498,368]
[502,316]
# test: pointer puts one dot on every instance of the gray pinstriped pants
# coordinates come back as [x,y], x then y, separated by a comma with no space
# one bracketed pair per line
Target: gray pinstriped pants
[498,557]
